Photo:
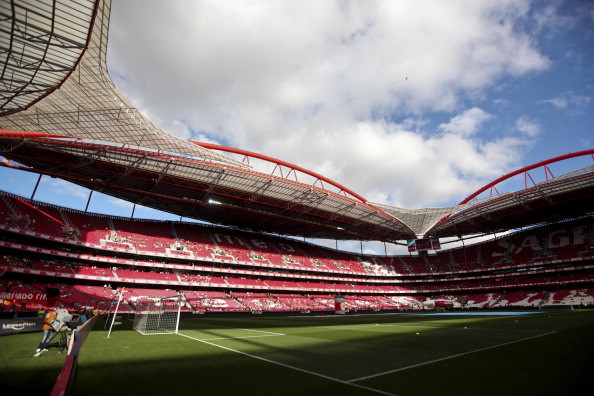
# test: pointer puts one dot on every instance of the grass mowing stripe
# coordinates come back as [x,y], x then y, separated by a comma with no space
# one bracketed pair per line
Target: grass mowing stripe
[522,330]
[291,367]
[239,328]
[235,338]
[447,357]
[262,331]
[438,327]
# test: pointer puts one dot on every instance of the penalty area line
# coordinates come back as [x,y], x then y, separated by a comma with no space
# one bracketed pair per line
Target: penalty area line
[289,366]
[446,358]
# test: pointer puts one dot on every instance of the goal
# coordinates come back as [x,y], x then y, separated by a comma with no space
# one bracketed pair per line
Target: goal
[157,315]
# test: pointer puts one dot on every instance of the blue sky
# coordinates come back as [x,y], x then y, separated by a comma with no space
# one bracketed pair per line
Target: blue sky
[408,103]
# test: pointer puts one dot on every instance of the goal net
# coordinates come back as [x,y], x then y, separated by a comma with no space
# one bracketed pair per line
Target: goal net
[157,315]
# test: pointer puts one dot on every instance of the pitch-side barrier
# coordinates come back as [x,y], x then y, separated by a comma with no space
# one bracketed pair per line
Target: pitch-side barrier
[66,377]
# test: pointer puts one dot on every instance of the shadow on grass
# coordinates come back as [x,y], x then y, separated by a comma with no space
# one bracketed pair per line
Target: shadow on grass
[20,372]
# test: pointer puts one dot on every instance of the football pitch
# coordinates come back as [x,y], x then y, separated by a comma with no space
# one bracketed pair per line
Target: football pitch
[544,353]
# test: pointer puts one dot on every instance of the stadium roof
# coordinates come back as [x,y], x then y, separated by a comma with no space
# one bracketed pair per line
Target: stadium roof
[204,190]
[55,78]
[62,116]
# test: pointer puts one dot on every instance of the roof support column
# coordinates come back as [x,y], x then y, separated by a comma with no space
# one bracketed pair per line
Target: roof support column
[88,201]
[36,185]
[464,250]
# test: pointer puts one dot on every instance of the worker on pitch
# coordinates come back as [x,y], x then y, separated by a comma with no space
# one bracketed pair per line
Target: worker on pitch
[48,331]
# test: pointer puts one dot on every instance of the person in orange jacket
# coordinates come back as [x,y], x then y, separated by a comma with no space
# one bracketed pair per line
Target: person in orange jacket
[48,331]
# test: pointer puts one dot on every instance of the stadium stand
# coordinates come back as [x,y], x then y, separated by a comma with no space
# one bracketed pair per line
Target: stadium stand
[219,269]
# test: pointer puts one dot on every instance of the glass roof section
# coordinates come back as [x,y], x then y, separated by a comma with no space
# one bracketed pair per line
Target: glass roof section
[40,45]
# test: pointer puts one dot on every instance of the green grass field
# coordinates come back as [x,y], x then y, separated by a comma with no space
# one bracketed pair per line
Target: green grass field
[548,353]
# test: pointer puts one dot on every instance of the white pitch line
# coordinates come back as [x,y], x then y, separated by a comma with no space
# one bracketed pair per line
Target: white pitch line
[447,357]
[291,367]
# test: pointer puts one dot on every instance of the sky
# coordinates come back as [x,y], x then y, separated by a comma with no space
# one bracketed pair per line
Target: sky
[408,103]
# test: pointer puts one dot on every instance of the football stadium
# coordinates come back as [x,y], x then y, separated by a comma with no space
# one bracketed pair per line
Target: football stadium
[489,296]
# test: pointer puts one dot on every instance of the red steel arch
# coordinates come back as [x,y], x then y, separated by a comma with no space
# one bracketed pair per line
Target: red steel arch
[280,163]
[525,170]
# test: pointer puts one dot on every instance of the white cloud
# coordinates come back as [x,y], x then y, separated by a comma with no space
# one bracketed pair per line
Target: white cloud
[120,203]
[391,164]
[585,143]
[342,88]
[559,102]
[467,123]
[64,188]
[528,127]
[569,100]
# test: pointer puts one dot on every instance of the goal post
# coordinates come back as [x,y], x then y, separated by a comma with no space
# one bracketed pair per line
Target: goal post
[157,315]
